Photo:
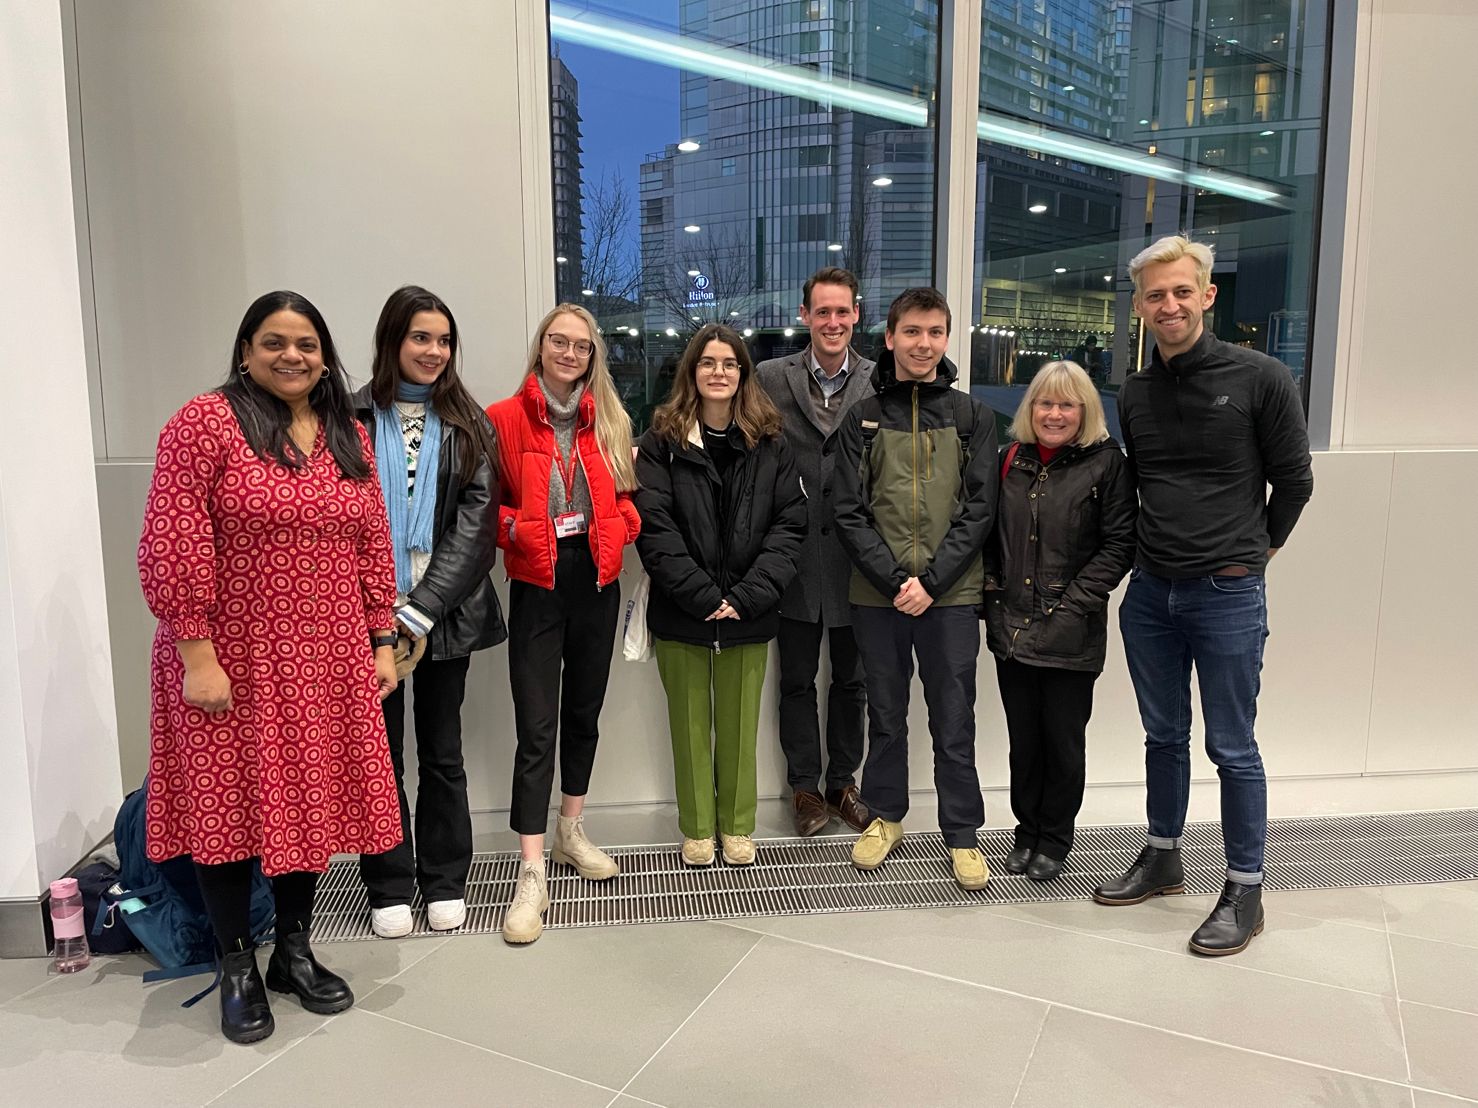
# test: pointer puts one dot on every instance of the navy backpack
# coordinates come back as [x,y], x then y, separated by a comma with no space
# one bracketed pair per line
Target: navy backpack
[162,905]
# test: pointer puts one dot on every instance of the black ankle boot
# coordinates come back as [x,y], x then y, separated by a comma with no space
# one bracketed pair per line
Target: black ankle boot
[1017,860]
[293,969]
[1233,923]
[246,1017]
[1154,873]
[1043,868]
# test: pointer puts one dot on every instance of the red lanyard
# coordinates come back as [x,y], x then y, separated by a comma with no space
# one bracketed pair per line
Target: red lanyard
[567,475]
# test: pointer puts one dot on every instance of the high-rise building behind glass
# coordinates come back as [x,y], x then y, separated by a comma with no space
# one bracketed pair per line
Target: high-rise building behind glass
[569,253]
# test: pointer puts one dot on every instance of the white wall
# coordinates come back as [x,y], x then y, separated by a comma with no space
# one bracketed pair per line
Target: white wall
[1406,322]
[339,149]
[58,733]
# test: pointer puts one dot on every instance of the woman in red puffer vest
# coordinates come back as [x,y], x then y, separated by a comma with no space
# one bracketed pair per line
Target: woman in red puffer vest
[565,515]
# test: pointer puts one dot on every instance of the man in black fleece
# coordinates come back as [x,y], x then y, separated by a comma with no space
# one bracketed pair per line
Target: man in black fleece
[1208,427]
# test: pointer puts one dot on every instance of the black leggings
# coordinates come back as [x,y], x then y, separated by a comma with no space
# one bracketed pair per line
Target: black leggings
[227,891]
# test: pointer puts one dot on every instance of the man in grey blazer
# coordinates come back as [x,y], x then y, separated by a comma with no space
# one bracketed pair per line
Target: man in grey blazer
[812,389]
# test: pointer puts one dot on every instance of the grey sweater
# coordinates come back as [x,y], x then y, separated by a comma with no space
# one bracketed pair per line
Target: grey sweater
[562,419]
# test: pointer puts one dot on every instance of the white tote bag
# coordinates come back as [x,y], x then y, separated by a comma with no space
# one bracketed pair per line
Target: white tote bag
[637,640]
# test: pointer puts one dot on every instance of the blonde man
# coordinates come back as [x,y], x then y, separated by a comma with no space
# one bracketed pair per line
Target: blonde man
[1208,428]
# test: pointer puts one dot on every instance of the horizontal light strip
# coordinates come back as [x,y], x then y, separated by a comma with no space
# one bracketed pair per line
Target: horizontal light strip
[582,27]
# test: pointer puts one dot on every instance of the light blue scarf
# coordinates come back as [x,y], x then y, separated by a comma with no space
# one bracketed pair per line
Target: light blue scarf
[412,518]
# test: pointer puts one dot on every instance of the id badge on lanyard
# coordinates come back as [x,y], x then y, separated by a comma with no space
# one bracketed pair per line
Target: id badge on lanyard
[569,522]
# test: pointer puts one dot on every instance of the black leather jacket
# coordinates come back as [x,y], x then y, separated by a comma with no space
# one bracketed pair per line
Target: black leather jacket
[1063,540]
[457,590]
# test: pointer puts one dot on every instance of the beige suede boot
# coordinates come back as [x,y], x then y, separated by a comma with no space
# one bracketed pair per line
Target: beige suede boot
[525,919]
[572,848]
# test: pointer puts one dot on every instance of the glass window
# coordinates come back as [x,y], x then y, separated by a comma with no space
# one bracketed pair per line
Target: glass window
[717,153]
[1203,118]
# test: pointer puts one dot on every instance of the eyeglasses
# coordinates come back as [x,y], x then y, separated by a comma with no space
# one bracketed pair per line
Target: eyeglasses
[1067,407]
[710,365]
[559,344]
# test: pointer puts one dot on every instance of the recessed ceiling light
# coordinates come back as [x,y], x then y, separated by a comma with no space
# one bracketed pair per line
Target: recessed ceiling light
[1037,209]
[692,273]
[882,182]
[1265,134]
[692,228]
[561,260]
[1069,88]
[587,292]
[833,246]
[671,333]
[790,332]
[1108,276]
[1060,269]
[687,146]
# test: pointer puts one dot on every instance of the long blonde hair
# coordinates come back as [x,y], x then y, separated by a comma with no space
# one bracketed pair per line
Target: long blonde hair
[1062,381]
[612,424]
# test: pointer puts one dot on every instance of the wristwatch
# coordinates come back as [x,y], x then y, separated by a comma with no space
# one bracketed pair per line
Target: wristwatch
[378,641]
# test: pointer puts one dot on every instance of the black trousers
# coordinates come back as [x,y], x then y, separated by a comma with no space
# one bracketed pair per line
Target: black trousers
[1047,714]
[226,889]
[846,699]
[947,644]
[559,660]
[437,852]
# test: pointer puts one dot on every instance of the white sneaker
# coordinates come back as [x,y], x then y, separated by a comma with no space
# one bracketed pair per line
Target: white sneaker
[446,915]
[393,922]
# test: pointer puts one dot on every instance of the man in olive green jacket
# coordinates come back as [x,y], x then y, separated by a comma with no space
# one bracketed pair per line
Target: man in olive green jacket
[914,495]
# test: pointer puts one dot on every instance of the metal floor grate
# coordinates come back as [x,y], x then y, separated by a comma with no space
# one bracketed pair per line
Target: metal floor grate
[799,876]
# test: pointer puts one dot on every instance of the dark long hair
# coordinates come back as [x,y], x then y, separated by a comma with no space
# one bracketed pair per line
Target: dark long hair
[753,411]
[265,419]
[449,397]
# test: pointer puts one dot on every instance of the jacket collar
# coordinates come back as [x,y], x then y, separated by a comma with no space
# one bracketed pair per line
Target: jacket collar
[538,409]
[1190,360]
[885,374]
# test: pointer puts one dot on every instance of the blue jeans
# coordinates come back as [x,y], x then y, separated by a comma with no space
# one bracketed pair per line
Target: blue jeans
[1218,624]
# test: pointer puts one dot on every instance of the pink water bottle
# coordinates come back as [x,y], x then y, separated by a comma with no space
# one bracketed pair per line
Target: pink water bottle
[68,927]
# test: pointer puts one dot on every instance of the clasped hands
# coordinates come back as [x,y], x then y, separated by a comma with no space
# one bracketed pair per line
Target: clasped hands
[912,600]
[725,610]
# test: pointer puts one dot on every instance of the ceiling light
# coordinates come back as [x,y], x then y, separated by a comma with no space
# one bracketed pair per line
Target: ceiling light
[733,313]
[1108,276]
[692,228]
[749,332]
[1144,122]
[790,332]
[692,273]
[833,246]
[633,332]
[882,182]
[695,319]
[1060,269]
[1069,88]
[671,333]
[687,146]
[1037,209]
[561,260]
[587,292]
[1265,134]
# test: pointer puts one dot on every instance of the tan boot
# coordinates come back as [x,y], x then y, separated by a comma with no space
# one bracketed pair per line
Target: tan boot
[971,872]
[572,848]
[873,845]
[525,919]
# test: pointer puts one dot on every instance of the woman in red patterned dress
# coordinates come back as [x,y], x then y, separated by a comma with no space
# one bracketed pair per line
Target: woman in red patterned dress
[266,559]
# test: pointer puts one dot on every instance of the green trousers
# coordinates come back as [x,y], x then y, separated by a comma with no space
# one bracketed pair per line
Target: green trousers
[713,707]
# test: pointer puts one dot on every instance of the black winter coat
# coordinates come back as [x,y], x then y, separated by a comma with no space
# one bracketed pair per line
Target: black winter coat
[456,590]
[1063,540]
[705,540]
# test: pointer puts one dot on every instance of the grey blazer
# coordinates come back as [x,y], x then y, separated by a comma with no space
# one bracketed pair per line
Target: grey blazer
[819,592]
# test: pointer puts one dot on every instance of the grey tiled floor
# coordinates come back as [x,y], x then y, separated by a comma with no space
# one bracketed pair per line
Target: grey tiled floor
[1363,997]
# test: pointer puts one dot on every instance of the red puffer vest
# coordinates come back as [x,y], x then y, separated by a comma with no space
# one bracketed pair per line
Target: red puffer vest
[526,452]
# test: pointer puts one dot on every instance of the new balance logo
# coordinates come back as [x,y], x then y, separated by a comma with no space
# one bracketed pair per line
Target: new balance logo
[1219,401]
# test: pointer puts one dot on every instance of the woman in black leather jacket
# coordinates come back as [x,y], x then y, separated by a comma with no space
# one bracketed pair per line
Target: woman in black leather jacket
[431,440]
[1063,540]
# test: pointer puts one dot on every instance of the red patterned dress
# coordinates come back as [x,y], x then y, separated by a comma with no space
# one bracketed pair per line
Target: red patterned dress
[286,572]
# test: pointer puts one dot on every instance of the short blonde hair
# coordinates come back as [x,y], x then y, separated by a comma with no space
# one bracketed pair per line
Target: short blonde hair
[1172,248]
[1062,381]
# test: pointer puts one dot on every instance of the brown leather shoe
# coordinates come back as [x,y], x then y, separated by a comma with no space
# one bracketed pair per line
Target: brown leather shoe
[847,803]
[809,811]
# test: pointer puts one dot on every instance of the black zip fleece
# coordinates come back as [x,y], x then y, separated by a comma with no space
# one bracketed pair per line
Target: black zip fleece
[1206,433]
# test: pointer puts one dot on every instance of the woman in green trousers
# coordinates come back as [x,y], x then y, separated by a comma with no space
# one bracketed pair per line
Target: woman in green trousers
[723,514]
